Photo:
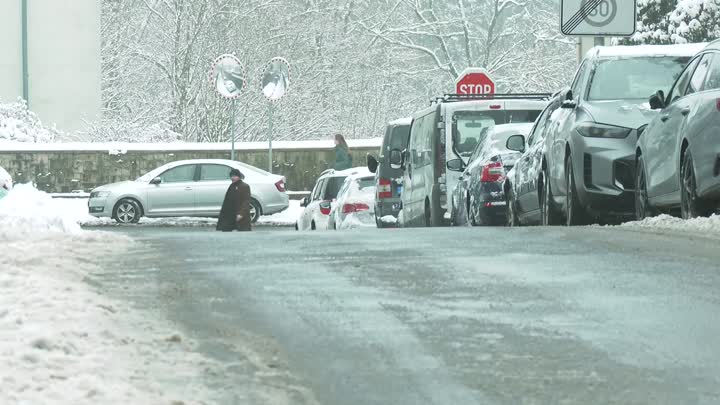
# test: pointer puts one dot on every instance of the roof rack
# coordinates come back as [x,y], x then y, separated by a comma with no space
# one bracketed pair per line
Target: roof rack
[453,98]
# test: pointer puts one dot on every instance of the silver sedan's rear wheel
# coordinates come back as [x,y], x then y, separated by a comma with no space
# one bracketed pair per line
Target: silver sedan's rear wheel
[127,211]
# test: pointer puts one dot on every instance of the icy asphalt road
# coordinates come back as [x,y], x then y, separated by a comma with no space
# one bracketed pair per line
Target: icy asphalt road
[448,316]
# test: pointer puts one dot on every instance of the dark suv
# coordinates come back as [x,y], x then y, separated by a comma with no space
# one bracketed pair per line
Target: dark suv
[591,152]
[388,181]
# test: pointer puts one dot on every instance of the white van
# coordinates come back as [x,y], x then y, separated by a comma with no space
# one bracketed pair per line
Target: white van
[451,128]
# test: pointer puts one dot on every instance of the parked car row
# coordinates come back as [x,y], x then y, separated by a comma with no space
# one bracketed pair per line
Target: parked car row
[595,151]
[340,200]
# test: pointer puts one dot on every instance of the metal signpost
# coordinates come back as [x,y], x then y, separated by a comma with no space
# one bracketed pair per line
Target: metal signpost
[598,17]
[275,84]
[228,78]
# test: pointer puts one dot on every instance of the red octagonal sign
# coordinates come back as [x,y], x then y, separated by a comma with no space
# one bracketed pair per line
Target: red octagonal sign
[475,81]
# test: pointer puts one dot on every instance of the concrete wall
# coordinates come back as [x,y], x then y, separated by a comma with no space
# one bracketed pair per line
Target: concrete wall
[65,171]
[64,65]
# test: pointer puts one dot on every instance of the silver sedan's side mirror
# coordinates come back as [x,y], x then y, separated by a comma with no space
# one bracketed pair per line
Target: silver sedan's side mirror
[156,181]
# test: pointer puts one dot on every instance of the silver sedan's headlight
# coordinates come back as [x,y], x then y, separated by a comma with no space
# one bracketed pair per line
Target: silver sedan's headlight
[100,194]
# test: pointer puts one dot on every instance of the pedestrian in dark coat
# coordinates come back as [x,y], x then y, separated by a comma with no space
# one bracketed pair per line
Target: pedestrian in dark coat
[235,211]
[343,159]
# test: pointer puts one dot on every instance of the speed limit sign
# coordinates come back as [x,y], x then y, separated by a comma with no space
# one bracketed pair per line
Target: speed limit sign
[598,17]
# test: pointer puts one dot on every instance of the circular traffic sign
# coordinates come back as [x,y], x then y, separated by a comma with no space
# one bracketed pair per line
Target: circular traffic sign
[603,14]
[227,76]
[276,79]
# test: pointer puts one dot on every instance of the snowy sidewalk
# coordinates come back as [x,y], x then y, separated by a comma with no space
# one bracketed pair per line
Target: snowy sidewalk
[61,342]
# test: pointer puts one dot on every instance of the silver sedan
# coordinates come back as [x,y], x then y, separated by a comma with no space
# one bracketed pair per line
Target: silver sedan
[190,188]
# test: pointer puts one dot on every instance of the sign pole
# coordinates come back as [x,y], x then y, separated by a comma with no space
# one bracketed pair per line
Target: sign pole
[270,136]
[232,130]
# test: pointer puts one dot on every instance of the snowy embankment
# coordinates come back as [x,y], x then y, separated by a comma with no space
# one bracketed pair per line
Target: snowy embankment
[706,227]
[76,210]
[61,341]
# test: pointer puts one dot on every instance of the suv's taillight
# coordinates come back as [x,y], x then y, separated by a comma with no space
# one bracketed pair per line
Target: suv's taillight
[350,208]
[280,185]
[325,207]
[492,173]
[384,189]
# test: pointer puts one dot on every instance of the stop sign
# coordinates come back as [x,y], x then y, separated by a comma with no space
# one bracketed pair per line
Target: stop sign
[475,81]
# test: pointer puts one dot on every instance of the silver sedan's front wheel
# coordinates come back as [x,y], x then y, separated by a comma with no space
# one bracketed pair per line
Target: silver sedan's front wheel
[127,212]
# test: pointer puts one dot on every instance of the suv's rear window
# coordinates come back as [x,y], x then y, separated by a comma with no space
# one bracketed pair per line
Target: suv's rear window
[471,127]
[634,78]
[398,138]
[333,187]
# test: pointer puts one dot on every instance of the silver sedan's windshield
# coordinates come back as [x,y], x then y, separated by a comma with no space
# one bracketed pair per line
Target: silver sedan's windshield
[634,78]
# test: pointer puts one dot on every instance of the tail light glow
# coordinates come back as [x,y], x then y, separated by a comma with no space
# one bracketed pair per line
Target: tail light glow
[496,107]
[280,185]
[325,207]
[493,173]
[384,189]
[351,208]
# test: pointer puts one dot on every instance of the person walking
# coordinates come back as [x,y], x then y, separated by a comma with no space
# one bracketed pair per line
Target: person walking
[343,160]
[235,211]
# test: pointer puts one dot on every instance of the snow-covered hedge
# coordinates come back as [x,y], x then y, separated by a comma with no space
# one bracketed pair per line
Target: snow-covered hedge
[18,124]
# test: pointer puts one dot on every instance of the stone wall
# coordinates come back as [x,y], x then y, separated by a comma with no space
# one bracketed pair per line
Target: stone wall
[63,171]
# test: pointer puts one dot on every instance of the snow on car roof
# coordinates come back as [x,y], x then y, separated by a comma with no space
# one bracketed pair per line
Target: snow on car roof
[400,122]
[645,50]
[354,172]
[517,128]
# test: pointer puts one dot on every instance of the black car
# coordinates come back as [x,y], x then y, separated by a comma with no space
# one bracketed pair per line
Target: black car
[478,198]
[678,154]
[525,187]
[387,178]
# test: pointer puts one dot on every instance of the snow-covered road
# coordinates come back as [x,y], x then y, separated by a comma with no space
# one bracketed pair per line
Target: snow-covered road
[588,315]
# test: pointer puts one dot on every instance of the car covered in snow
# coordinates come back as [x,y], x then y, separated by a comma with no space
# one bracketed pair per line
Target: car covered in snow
[188,188]
[6,182]
[316,214]
[354,207]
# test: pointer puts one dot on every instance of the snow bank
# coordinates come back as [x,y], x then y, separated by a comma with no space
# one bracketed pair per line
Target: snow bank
[286,218]
[697,226]
[61,342]
[389,219]
[27,211]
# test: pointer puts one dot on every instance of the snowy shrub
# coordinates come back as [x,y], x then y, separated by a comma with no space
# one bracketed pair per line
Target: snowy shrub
[18,124]
[676,22]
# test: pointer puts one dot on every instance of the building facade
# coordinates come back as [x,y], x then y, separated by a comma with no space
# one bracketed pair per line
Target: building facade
[50,55]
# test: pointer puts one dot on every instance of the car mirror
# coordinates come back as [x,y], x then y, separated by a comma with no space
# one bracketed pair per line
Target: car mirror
[396,159]
[372,163]
[456,165]
[569,102]
[156,181]
[305,202]
[657,100]
[516,143]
